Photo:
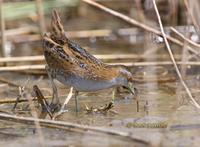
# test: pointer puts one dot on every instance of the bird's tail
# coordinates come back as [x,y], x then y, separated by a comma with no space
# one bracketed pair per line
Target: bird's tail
[57,30]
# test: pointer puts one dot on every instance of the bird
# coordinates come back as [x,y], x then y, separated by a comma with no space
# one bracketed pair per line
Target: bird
[72,65]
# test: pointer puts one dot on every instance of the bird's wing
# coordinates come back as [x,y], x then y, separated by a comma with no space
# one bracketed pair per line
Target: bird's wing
[70,57]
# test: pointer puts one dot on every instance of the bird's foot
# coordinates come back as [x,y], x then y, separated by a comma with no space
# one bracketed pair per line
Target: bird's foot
[60,112]
[55,107]
[135,91]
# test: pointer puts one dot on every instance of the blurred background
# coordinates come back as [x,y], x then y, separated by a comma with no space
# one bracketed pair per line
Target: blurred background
[25,22]
[115,41]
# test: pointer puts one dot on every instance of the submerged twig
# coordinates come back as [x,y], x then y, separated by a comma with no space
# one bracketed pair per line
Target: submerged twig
[172,58]
[71,127]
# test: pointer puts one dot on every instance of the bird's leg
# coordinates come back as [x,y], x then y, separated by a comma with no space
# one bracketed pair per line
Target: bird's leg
[131,89]
[134,92]
[113,95]
[55,103]
[62,110]
[76,100]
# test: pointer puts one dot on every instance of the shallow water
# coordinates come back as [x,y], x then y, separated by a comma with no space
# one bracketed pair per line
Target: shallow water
[147,125]
[161,105]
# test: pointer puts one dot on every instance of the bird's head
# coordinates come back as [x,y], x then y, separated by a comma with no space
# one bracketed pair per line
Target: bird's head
[124,78]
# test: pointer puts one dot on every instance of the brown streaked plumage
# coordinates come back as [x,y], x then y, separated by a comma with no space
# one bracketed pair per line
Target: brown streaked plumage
[74,66]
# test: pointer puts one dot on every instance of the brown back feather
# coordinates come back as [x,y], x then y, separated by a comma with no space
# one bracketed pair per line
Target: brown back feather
[57,32]
[80,62]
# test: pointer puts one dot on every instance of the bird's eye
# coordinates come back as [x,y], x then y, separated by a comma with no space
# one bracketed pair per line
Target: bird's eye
[82,65]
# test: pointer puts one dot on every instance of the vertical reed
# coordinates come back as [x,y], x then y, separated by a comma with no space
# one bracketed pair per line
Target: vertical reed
[41,19]
[3,37]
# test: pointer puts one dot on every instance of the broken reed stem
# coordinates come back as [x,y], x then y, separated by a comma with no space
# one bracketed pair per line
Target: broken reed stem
[3,37]
[136,23]
[184,38]
[172,58]
[71,126]
[40,13]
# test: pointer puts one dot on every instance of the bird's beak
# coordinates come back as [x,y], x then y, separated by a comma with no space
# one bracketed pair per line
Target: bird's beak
[132,89]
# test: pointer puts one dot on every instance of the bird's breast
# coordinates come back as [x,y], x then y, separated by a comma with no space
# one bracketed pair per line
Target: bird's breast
[83,84]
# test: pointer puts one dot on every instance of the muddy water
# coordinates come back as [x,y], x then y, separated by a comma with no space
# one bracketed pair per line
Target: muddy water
[146,124]
[160,105]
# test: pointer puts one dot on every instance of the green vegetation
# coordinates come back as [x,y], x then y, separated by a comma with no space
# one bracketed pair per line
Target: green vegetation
[16,10]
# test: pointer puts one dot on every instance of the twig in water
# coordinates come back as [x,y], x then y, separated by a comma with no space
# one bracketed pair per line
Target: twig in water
[72,127]
[172,58]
